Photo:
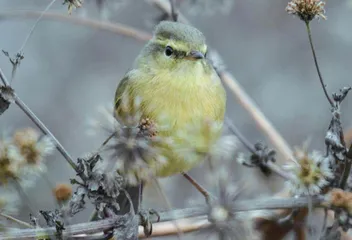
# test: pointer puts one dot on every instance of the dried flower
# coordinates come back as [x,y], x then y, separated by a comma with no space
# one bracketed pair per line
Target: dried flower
[311,173]
[71,4]
[224,222]
[306,10]
[62,192]
[340,199]
[33,149]
[137,150]
[9,162]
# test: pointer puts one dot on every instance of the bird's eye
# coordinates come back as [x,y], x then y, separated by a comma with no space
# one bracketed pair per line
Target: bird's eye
[205,55]
[169,51]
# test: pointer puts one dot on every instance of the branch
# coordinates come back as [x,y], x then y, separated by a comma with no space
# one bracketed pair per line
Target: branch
[317,65]
[107,26]
[40,125]
[189,219]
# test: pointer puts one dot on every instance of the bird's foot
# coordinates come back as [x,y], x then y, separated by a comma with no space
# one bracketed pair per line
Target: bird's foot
[145,220]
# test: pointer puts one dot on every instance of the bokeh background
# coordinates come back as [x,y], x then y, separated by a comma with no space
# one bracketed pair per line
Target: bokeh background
[69,71]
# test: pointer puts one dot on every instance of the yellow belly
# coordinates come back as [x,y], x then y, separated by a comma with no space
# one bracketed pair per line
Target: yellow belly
[186,103]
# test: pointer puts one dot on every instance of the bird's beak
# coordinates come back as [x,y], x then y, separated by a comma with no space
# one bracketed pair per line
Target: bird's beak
[195,55]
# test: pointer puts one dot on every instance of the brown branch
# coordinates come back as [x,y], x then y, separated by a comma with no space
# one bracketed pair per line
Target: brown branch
[107,26]
[189,219]
[31,115]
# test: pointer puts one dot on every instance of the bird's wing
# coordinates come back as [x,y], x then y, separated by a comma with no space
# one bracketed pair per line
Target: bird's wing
[133,191]
[125,99]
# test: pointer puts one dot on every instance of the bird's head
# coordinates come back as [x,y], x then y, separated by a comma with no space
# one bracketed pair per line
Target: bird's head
[175,46]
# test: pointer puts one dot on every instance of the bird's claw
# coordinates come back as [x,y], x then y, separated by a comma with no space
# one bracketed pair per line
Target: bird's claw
[145,222]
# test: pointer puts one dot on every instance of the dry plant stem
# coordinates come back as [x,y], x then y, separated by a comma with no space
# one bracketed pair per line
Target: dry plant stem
[15,220]
[165,7]
[107,26]
[244,99]
[247,102]
[173,10]
[347,169]
[201,189]
[274,168]
[183,215]
[317,65]
[35,24]
[168,205]
[40,125]
[20,51]
[277,170]
[239,135]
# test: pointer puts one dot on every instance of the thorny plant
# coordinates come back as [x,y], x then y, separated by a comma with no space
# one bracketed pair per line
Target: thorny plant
[313,179]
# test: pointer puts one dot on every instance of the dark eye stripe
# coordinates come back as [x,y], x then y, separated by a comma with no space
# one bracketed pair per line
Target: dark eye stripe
[176,53]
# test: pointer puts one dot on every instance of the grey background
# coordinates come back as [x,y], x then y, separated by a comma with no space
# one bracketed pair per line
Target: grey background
[71,70]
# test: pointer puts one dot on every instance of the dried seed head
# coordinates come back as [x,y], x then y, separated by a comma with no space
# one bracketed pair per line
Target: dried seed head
[311,174]
[137,151]
[340,199]
[62,192]
[306,10]
[10,159]
[33,149]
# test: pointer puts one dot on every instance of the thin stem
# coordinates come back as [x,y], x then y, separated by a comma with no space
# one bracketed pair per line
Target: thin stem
[20,51]
[31,115]
[278,170]
[317,66]
[168,205]
[201,189]
[3,78]
[263,123]
[347,170]
[35,25]
[117,28]
[15,220]
[239,135]
[173,10]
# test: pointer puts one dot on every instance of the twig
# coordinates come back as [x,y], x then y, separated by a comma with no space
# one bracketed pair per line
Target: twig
[239,135]
[174,14]
[15,220]
[41,126]
[247,102]
[182,215]
[107,26]
[347,170]
[201,189]
[317,66]
[19,55]
[278,170]
[35,25]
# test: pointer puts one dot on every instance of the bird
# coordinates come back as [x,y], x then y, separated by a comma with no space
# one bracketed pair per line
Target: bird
[173,76]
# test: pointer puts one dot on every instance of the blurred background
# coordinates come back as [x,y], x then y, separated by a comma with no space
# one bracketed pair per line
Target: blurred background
[69,71]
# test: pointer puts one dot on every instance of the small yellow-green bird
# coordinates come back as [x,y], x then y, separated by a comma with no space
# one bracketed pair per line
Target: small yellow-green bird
[173,77]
